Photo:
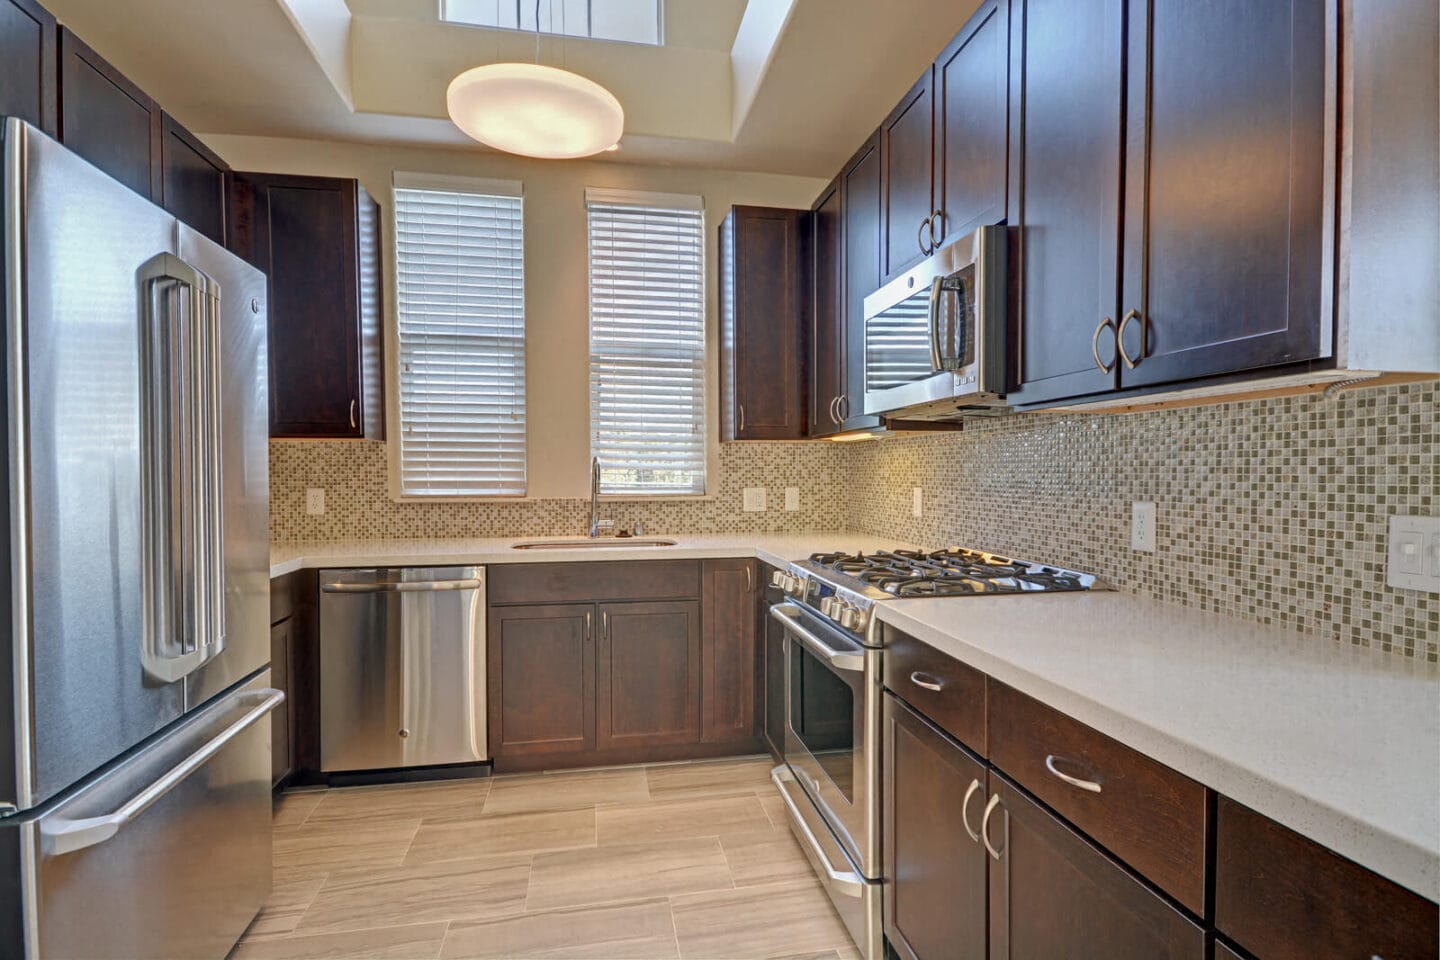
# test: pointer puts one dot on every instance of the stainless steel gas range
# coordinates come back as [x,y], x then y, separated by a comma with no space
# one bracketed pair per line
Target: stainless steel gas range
[831,664]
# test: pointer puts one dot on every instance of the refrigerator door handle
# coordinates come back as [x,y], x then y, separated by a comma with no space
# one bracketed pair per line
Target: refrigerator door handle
[61,836]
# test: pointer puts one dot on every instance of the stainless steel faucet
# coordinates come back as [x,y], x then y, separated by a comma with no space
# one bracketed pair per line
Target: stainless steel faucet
[594,497]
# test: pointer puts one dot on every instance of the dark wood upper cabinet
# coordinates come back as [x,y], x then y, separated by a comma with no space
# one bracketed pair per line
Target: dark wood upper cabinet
[1066,72]
[194,181]
[27,63]
[317,239]
[1284,897]
[861,206]
[764,313]
[907,144]
[971,124]
[647,674]
[107,119]
[827,333]
[1225,187]
[541,679]
[1054,894]
[935,871]
[730,653]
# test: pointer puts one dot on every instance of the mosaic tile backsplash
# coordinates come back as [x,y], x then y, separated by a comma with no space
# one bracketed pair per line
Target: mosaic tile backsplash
[358,505]
[1271,510]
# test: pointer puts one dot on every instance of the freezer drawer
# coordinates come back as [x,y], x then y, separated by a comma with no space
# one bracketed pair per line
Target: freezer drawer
[166,855]
[402,667]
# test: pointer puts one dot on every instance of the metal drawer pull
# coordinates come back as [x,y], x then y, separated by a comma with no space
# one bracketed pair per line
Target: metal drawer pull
[1095,345]
[927,681]
[405,586]
[353,423]
[1120,338]
[985,825]
[1076,782]
[965,809]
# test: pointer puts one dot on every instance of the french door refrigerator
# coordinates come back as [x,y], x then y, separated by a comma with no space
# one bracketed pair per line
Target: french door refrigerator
[134,727]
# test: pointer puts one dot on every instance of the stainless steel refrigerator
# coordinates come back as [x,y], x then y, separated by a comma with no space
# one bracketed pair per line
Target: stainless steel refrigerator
[134,729]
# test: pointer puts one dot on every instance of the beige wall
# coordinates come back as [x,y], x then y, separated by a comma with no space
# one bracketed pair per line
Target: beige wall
[556,284]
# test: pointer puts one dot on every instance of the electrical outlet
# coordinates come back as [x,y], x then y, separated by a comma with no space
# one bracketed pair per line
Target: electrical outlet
[315,500]
[1142,526]
[754,500]
[917,502]
[792,499]
[1413,557]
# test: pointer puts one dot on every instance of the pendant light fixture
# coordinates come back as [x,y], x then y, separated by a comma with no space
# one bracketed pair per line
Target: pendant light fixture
[534,110]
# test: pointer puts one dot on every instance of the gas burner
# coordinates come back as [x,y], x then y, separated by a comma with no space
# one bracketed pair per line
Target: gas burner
[956,571]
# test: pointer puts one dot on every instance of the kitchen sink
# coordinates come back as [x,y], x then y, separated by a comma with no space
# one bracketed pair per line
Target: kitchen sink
[614,543]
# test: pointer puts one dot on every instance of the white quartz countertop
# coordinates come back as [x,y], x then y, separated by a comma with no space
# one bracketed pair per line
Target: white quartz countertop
[777,549]
[1339,743]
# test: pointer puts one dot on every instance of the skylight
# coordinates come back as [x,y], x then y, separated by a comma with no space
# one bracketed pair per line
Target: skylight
[628,21]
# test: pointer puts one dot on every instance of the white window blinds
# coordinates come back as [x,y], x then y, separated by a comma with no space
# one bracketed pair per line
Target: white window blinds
[647,341]
[459,265]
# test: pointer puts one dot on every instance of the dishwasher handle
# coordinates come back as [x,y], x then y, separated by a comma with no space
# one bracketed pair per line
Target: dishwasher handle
[402,586]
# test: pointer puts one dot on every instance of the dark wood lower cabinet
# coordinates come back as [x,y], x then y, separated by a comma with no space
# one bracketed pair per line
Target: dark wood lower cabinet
[282,761]
[935,870]
[729,650]
[647,674]
[1053,894]
[541,667]
[1222,952]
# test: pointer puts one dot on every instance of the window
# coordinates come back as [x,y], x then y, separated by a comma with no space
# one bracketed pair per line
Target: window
[459,266]
[629,21]
[647,341]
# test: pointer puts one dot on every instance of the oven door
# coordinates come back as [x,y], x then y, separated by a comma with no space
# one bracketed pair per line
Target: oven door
[832,726]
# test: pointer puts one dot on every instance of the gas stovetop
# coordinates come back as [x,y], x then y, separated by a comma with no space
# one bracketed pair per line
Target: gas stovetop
[955,572]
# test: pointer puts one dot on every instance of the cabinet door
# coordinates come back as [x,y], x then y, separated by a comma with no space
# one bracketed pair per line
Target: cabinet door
[194,180]
[971,94]
[647,674]
[281,756]
[541,679]
[107,119]
[1054,894]
[862,208]
[1225,192]
[1065,102]
[827,333]
[935,869]
[907,144]
[728,651]
[27,63]
[763,315]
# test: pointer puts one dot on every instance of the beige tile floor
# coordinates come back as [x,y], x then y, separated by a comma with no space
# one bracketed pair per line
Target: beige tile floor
[689,861]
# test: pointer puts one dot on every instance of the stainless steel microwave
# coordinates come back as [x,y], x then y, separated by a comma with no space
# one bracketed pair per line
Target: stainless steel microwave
[935,336]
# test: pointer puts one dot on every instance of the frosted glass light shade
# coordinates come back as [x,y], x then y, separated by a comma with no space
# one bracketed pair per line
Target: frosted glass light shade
[535,111]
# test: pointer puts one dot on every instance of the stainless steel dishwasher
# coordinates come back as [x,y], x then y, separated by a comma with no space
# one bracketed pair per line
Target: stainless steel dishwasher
[402,667]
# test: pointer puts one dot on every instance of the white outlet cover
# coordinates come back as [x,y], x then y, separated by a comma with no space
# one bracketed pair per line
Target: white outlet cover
[1142,526]
[917,502]
[792,499]
[1413,556]
[315,500]
[754,500]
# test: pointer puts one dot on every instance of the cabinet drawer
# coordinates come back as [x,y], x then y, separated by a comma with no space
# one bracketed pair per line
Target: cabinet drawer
[594,580]
[1142,811]
[1284,897]
[913,668]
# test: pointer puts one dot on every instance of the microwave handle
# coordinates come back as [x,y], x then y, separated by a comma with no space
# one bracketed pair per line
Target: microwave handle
[935,358]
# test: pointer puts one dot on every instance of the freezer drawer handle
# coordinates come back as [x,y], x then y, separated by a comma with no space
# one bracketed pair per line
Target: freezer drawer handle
[407,586]
[846,882]
[62,836]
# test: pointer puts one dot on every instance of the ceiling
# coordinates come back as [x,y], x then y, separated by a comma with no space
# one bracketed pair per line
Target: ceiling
[780,86]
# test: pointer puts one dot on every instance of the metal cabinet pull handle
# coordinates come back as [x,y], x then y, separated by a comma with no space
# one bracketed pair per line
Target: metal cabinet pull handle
[835,410]
[605,625]
[965,809]
[1095,345]
[937,217]
[742,418]
[1120,338]
[927,681]
[749,579]
[353,423]
[844,407]
[920,236]
[985,825]
[589,627]
[1075,782]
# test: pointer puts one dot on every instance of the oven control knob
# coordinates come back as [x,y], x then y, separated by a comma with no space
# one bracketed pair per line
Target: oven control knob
[830,607]
[777,579]
[849,617]
[861,620]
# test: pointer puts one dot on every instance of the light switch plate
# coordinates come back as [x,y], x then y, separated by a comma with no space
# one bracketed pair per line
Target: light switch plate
[1142,526]
[1413,555]
[917,502]
[754,500]
[792,499]
[315,500]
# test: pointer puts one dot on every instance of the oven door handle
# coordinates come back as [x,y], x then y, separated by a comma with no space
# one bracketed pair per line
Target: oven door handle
[789,615]
[844,882]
